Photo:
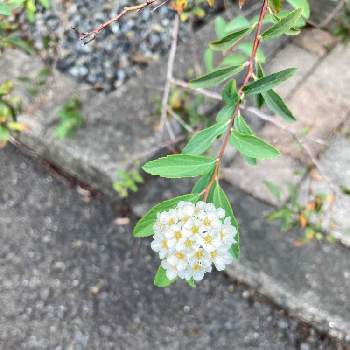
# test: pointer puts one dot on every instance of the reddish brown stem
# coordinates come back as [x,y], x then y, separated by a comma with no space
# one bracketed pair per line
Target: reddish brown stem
[247,77]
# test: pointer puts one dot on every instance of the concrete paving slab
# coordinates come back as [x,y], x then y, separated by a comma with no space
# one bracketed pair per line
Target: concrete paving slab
[72,279]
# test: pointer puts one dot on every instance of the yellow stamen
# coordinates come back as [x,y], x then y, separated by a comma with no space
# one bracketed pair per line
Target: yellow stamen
[214,254]
[171,221]
[208,239]
[178,235]
[180,255]
[199,254]
[195,229]
[196,267]
[188,243]
[207,222]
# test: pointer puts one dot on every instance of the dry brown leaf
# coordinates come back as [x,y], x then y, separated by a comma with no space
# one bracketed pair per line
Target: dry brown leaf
[179,5]
[241,3]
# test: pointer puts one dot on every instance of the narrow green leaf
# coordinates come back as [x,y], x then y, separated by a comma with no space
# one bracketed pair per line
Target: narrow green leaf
[4,134]
[179,165]
[5,10]
[202,183]
[274,189]
[202,140]
[230,39]
[209,59]
[225,113]
[16,41]
[235,249]
[233,60]
[252,146]
[230,93]
[276,5]
[237,23]
[260,74]
[144,227]
[220,200]
[220,26]
[282,26]
[191,283]
[161,280]
[242,126]
[215,77]
[276,104]
[45,3]
[303,5]
[268,82]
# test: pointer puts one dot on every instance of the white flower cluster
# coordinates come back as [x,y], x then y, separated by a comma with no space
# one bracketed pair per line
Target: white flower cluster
[192,237]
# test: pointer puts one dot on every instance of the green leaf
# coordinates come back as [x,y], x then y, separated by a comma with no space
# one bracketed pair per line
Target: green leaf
[237,23]
[225,113]
[276,104]
[233,60]
[216,77]
[144,227]
[209,59]
[282,26]
[4,134]
[220,26]
[242,126]
[220,200]
[202,140]
[161,280]
[202,183]
[252,146]
[230,93]
[5,10]
[303,5]
[6,87]
[30,9]
[274,189]
[191,283]
[268,82]
[260,74]
[16,41]
[231,98]
[229,40]
[276,5]
[45,3]
[179,165]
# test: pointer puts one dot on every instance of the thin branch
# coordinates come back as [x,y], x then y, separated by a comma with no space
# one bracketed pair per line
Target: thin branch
[169,76]
[179,119]
[87,37]
[186,85]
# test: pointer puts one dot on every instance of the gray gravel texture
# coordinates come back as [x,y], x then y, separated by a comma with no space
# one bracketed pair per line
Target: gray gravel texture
[72,279]
[118,53]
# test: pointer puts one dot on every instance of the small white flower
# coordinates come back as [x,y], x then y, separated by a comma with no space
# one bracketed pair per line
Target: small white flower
[221,257]
[191,238]
[210,240]
[171,270]
[161,245]
[174,235]
[193,226]
[178,259]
